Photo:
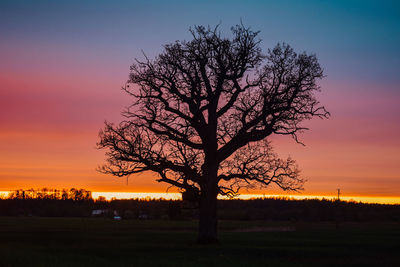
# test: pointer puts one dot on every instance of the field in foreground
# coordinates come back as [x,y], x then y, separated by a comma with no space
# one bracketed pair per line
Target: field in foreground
[35,241]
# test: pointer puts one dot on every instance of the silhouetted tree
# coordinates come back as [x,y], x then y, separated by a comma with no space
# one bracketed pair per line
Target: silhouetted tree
[54,194]
[202,110]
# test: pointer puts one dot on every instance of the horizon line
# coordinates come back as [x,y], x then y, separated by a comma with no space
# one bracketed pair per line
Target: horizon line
[178,196]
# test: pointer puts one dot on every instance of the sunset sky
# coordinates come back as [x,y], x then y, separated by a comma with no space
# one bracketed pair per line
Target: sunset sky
[62,65]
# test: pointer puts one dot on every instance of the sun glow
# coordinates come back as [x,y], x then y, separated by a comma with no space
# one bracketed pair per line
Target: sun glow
[178,196]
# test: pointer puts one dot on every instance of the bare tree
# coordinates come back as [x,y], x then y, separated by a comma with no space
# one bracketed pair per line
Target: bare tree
[202,111]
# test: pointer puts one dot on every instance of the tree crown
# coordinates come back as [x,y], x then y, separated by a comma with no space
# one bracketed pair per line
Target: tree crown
[213,101]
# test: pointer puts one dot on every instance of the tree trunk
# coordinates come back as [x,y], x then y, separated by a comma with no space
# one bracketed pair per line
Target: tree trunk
[209,192]
[208,218]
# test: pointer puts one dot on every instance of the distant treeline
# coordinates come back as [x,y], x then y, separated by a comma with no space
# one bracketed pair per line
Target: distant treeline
[45,193]
[281,209]
[79,203]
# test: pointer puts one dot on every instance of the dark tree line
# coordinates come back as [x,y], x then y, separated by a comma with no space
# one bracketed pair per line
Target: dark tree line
[47,202]
[269,209]
[55,194]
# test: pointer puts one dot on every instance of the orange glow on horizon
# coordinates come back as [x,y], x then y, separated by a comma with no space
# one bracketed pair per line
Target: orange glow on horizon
[177,196]
[151,195]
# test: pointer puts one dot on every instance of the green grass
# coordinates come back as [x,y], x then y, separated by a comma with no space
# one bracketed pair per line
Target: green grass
[103,242]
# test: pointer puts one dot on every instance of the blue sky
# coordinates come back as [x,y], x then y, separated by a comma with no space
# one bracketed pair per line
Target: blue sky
[353,39]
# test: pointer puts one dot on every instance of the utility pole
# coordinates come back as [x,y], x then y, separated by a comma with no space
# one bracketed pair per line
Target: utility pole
[338,194]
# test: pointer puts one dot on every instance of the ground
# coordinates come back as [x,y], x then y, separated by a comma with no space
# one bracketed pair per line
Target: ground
[33,241]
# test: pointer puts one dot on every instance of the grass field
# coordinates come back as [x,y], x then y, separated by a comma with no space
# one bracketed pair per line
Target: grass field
[34,241]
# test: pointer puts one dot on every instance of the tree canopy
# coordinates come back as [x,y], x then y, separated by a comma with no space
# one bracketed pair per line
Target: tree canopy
[202,111]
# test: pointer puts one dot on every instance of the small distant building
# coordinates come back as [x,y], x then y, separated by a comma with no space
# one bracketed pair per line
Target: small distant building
[99,212]
[104,212]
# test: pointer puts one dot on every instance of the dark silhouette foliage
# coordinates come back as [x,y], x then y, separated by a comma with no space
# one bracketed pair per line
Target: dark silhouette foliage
[202,111]
[48,202]
[266,209]
[54,194]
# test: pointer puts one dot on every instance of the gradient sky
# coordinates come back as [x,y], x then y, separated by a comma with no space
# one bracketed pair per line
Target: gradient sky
[62,64]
